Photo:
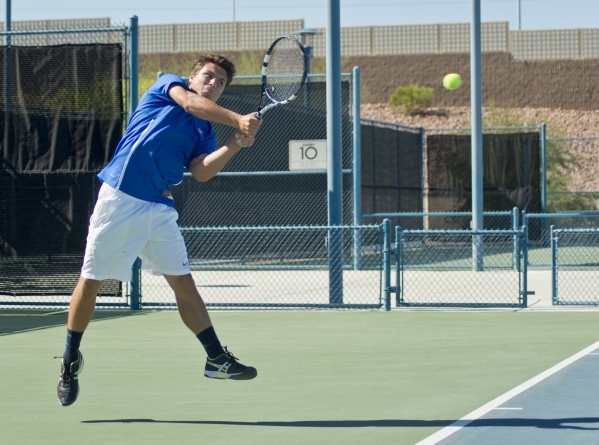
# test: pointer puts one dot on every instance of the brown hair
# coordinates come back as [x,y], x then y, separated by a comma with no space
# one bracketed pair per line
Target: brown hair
[221,61]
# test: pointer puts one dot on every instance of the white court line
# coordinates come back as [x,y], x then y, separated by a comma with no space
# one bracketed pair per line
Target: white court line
[493,404]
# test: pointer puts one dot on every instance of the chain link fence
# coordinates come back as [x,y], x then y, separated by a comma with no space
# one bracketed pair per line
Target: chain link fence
[440,268]
[575,266]
[571,172]
[539,231]
[63,103]
[276,267]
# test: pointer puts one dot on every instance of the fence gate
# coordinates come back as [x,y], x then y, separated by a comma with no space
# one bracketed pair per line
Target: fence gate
[575,266]
[444,268]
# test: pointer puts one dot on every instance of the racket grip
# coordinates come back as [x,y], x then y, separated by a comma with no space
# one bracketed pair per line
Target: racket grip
[258,115]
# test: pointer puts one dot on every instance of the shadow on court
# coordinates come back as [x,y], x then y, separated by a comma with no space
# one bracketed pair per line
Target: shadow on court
[15,321]
[566,423]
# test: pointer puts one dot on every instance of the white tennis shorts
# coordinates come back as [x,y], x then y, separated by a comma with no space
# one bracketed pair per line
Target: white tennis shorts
[122,228]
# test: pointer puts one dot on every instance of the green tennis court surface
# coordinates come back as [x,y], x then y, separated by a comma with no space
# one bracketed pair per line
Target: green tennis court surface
[323,377]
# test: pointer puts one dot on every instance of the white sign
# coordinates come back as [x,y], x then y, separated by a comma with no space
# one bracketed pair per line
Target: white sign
[308,155]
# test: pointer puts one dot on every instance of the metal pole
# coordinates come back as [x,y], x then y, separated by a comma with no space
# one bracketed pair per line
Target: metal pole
[423,178]
[543,168]
[334,173]
[133,66]
[6,89]
[357,168]
[135,296]
[308,50]
[133,98]
[387,264]
[8,22]
[477,136]
[519,15]
[553,266]
[515,212]
[398,266]
[233,10]
[525,266]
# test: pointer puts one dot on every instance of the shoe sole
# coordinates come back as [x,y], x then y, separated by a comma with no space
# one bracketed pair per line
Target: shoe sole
[248,375]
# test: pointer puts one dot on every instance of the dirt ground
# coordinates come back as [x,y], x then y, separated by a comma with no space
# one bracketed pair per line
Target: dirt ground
[560,123]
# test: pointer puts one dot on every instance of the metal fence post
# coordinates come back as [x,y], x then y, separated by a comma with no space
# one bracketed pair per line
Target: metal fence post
[357,168]
[135,297]
[387,264]
[423,177]
[524,225]
[133,65]
[543,168]
[525,266]
[553,265]
[398,265]
[334,151]
[133,98]
[515,212]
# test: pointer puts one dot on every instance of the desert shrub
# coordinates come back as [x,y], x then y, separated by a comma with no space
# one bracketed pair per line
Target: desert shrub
[413,98]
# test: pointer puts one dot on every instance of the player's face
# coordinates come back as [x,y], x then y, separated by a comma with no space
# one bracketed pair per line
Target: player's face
[210,81]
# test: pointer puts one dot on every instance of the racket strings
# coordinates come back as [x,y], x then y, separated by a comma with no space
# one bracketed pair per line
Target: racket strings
[285,70]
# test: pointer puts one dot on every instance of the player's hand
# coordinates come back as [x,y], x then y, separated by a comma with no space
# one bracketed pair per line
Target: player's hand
[249,124]
[244,140]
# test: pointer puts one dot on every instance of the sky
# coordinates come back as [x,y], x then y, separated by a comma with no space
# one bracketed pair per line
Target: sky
[534,14]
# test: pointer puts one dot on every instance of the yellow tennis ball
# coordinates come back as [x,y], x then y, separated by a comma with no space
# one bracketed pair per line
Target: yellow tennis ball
[452,81]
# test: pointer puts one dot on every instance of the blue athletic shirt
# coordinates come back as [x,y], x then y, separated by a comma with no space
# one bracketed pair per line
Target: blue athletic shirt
[160,141]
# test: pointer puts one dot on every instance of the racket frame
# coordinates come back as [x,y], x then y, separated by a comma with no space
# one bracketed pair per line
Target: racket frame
[273,102]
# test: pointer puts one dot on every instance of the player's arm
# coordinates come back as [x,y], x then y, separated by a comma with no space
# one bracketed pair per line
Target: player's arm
[206,109]
[206,166]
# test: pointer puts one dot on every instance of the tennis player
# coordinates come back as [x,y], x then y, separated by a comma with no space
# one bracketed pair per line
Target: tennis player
[134,216]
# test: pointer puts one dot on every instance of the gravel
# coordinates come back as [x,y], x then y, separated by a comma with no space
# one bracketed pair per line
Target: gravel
[560,123]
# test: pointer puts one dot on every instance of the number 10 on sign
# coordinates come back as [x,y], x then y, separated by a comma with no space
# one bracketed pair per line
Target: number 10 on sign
[308,155]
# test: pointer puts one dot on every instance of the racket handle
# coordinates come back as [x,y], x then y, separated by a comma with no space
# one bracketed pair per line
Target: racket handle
[258,115]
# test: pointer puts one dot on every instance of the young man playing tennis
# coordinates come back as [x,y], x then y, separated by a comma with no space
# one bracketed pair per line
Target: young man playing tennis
[134,216]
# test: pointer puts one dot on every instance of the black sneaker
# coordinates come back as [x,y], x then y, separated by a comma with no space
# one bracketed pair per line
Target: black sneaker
[226,366]
[68,385]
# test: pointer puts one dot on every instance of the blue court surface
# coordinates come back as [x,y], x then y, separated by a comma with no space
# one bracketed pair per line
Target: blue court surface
[559,406]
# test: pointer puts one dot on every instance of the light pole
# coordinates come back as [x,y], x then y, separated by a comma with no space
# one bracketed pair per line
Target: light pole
[307,39]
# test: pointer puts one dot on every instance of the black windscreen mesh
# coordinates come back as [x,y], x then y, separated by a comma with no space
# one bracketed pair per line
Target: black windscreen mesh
[511,172]
[62,116]
[271,198]
[391,174]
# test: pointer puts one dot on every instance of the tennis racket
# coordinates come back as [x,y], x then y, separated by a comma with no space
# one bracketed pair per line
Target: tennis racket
[284,73]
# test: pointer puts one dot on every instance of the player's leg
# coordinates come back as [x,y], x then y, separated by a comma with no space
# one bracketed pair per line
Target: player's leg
[83,303]
[116,236]
[220,364]
[189,302]
[166,253]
